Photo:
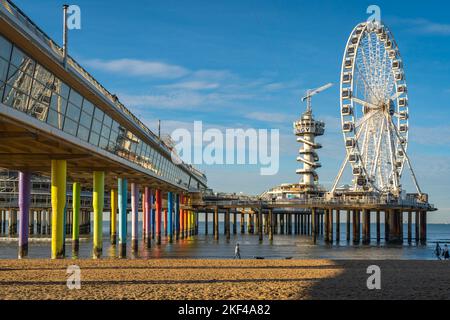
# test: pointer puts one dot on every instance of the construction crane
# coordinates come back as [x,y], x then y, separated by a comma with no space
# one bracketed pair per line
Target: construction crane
[311,93]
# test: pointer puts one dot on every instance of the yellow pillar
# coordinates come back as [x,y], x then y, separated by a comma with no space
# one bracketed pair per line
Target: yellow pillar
[58,191]
[98,203]
[113,232]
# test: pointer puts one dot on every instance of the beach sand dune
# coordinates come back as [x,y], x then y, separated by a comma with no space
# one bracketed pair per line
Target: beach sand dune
[224,279]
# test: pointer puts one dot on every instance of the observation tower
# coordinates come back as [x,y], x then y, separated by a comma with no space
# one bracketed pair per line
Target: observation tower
[307,129]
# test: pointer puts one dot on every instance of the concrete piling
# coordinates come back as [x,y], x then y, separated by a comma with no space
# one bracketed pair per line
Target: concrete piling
[338,226]
[409,227]
[366,226]
[378,227]
[423,227]
[216,223]
[271,226]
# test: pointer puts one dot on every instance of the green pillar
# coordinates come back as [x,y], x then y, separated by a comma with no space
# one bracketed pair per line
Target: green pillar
[76,203]
[98,203]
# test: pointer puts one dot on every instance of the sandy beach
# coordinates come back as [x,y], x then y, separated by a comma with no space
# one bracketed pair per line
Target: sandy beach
[223,279]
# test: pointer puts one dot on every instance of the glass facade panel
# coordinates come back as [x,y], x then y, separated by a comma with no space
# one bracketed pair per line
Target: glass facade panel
[75,98]
[5,48]
[105,132]
[3,69]
[88,107]
[73,112]
[19,79]
[86,119]
[15,99]
[98,114]
[43,75]
[58,104]
[61,88]
[94,138]
[41,93]
[103,143]
[83,133]
[96,126]
[70,126]
[55,119]
[38,109]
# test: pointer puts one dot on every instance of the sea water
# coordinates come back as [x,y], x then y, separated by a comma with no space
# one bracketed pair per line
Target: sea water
[282,247]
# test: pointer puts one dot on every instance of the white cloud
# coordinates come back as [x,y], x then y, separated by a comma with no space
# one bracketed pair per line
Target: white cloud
[191,85]
[134,67]
[182,99]
[423,26]
[270,117]
[433,136]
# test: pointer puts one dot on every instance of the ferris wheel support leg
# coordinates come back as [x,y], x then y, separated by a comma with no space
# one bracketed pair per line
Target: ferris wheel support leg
[341,171]
[408,161]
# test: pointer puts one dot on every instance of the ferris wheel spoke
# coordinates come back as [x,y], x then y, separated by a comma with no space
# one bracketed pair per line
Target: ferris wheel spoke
[378,148]
[391,151]
[363,77]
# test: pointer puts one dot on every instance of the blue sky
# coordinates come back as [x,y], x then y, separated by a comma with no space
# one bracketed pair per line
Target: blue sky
[242,64]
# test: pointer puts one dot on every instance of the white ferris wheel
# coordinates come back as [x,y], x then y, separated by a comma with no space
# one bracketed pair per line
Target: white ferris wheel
[374,110]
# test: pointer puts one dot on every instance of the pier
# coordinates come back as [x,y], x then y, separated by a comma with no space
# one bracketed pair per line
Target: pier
[71,151]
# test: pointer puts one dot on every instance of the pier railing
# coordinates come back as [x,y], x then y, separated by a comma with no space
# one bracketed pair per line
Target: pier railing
[322,203]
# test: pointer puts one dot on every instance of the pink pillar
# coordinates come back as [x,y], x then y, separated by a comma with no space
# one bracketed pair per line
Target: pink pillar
[134,216]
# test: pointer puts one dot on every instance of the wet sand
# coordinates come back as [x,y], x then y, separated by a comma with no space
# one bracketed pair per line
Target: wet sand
[224,279]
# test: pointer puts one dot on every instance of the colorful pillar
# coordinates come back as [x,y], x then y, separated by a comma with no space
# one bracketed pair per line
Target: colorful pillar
[76,203]
[165,222]
[182,218]
[24,207]
[144,216]
[169,216]
[113,217]
[158,217]
[147,216]
[134,216]
[177,216]
[58,192]
[123,201]
[98,201]
[152,213]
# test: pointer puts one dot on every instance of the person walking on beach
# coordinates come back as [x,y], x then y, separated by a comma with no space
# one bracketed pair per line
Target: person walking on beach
[237,252]
[446,254]
[437,251]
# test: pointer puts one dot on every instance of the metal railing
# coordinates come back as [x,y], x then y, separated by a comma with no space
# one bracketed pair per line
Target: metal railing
[369,201]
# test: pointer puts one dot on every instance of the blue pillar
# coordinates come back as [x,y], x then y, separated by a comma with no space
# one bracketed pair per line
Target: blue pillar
[152,212]
[123,201]
[170,215]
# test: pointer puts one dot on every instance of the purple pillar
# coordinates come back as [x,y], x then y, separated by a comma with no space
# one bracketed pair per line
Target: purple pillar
[24,207]
[147,212]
